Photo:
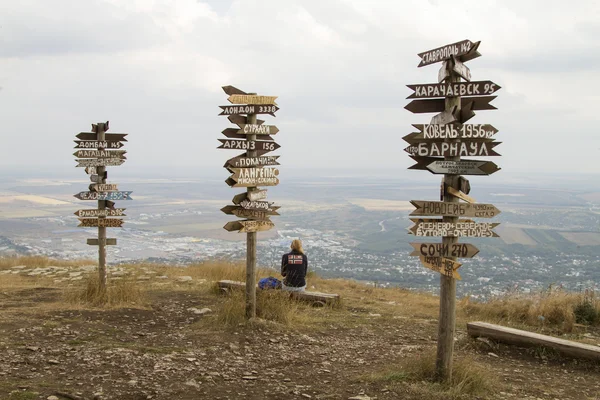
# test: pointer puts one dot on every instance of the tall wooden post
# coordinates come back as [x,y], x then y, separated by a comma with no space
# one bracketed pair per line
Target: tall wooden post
[102,274]
[447,323]
[251,243]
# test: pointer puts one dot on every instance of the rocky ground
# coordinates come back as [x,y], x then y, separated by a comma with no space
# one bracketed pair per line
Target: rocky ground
[175,347]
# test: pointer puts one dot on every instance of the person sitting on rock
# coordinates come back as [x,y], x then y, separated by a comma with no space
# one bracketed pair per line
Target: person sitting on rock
[294,266]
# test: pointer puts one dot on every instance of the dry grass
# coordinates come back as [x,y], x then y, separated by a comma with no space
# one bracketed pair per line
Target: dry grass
[40,262]
[556,309]
[469,378]
[122,293]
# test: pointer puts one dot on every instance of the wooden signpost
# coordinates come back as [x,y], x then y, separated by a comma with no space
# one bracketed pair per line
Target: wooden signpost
[96,151]
[249,171]
[438,148]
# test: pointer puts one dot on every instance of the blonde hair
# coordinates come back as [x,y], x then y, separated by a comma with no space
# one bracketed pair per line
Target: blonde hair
[297,245]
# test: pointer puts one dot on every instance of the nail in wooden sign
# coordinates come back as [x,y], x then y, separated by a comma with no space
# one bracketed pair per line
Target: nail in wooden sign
[103,195]
[249,177]
[111,137]
[95,213]
[100,162]
[437,105]
[457,67]
[100,154]
[436,227]
[232,133]
[94,144]
[261,161]
[249,109]
[447,209]
[432,90]
[101,222]
[453,149]
[104,187]
[249,226]
[261,147]
[255,195]
[461,250]
[252,99]
[255,129]
[465,50]
[444,266]
[109,242]
[463,167]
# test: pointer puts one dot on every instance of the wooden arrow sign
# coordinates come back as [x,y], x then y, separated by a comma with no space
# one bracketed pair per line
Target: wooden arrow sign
[252,100]
[258,205]
[453,149]
[109,242]
[95,213]
[100,154]
[232,133]
[462,250]
[456,131]
[259,146]
[248,177]
[94,144]
[463,167]
[104,187]
[255,195]
[436,227]
[101,222]
[255,129]
[447,209]
[437,105]
[229,90]
[253,214]
[249,109]
[240,120]
[100,162]
[103,195]
[249,226]
[442,265]
[415,138]
[432,90]
[464,50]
[244,162]
[111,137]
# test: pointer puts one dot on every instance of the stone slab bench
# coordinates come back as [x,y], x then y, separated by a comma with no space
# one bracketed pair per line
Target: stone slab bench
[530,339]
[316,298]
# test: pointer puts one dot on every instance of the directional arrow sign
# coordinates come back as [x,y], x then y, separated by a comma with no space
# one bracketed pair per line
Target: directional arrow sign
[94,144]
[232,133]
[103,195]
[111,137]
[249,109]
[95,213]
[416,138]
[247,177]
[462,250]
[464,50]
[252,99]
[241,212]
[432,90]
[463,167]
[453,149]
[437,105]
[447,209]
[104,187]
[100,154]
[442,265]
[100,162]
[101,222]
[229,90]
[436,227]
[249,226]
[455,131]
[255,129]
[241,161]
[250,196]
[261,147]
[258,205]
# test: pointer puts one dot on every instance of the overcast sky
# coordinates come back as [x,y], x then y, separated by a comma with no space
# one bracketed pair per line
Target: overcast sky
[155,68]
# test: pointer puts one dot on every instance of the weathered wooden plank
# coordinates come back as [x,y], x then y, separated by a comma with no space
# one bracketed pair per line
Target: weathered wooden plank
[463,148]
[100,222]
[94,144]
[530,339]
[100,154]
[99,162]
[240,120]
[437,105]
[464,50]
[229,90]
[460,195]
[444,266]
[95,213]
[440,208]
[249,109]
[111,137]
[432,90]
[462,250]
[252,99]
[256,129]
[249,145]
[249,226]
[232,133]
[250,213]
[109,242]
[103,195]
[251,177]
[455,131]
[244,162]
[431,227]
[104,187]
[327,298]
[255,195]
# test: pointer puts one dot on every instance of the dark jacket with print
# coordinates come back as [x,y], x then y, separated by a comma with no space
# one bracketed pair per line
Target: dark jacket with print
[293,268]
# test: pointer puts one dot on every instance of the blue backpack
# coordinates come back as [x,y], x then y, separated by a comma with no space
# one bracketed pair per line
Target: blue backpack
[269,283]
